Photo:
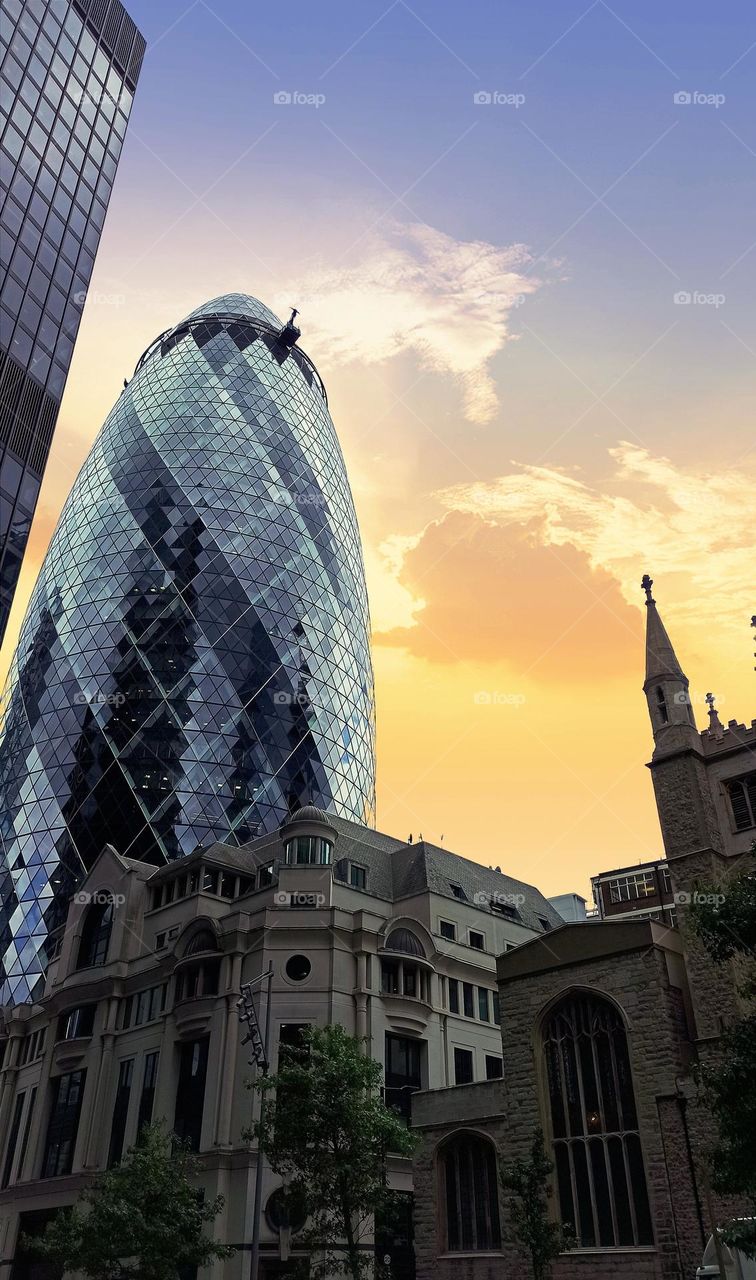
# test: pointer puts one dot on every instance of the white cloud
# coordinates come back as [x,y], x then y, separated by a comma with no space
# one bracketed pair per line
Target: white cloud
[691,528]
[414,289]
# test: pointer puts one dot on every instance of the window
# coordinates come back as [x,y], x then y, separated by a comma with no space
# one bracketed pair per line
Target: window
[357,876]
[463,1066]
[78,1022]
[12,1140]
[63,1125]
[27,1131]
[120,1111]
[477,940]
[203,940]
[468,999]
[453,995]
[145,1006]
[483,1009]
[308,851]
[496,1008]
[633,887]
[147,1096]
[298,968]
[666,883]
[389,978]
[597,1152]
[470,1194]
[544,923]
[33,1046]
[95,934]
[494,1067]
[404,1062]
[198,980]
[190,1092]
[458,892]
[265,876]
[742,793]
[661,704]
[448,930]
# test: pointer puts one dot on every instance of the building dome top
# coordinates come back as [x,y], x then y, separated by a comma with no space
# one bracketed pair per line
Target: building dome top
[406,941]
[236,304]
[310,813]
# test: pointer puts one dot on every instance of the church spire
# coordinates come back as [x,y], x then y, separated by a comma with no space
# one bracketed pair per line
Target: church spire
[666,684]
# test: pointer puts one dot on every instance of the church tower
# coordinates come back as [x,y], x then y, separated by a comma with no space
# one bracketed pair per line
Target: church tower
[705,788]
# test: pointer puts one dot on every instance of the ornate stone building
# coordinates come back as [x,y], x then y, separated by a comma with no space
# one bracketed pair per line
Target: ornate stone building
[395,940]
[602,1023]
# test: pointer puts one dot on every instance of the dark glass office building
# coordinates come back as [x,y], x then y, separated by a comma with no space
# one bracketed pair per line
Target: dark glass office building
[68,75]
[195,660]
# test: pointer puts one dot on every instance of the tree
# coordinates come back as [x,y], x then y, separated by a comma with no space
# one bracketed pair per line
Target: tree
[326,1132]
[530,1224]
[724,918]
[143,1221]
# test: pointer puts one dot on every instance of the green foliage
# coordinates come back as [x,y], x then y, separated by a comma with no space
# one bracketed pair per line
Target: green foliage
[724,918]
[326,1132]
[143,1220]
[530,1225]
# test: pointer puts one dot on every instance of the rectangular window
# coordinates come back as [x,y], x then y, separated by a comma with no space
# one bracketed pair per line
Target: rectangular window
[63,1125]
[404,1063]
[468,999]
[389,978]
[477,940]
[265,876]
[147,1096]
[463,1066]
[453,995]
[190,1092]
[120,1111]
[494,1067]
[483,1010]
[13,1139]
[78,1022]
[496,1008]
[448,930]
[357,876]
[27,1131]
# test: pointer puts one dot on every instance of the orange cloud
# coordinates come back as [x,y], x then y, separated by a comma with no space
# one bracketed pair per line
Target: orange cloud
[493,594]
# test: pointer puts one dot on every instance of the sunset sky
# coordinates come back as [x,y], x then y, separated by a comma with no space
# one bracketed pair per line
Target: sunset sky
[534,317]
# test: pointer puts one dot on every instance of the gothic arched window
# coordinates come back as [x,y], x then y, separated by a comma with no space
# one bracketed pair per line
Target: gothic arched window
[95,934]
[594,1124]
[470,1192]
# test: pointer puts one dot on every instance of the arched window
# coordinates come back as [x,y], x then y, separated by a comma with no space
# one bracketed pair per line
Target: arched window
[470,1194]
[594,1124]
[202,940]
[661,703]
[95,934]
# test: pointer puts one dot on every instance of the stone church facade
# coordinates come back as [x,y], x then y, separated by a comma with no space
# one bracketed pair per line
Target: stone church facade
[602,1025]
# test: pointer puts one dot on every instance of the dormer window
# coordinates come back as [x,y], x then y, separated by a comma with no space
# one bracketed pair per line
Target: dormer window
[458,892]
[308,851]
[661,704]
[95,934]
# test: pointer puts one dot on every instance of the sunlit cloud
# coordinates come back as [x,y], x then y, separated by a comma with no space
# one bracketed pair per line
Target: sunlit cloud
[416,290]
[541,563]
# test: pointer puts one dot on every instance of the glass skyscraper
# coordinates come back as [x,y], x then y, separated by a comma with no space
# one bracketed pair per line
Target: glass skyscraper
[68,75]
[195,659]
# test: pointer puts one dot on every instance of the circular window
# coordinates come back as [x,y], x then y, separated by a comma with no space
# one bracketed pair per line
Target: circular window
[298,968]
[284,1210]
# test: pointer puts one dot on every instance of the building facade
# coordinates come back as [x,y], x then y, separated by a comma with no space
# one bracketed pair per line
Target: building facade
[605,1022]
[195,660]
[395,941]
[642,892]
[68,75]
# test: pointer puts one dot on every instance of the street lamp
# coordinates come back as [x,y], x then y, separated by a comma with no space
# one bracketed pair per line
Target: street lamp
[260,1042]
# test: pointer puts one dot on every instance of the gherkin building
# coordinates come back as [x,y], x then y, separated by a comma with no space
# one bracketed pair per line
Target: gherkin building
[195,662]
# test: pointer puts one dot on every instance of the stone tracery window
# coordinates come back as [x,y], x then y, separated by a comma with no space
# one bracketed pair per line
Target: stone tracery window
[594,1124]
[470,1195]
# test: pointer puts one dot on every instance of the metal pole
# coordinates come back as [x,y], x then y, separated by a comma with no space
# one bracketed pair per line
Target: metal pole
[254,1266]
